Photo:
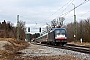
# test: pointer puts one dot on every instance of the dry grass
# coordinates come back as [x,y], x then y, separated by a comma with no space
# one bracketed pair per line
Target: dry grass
[11,50]
[78,43]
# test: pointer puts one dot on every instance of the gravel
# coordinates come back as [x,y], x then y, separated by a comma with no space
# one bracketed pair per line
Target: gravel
[38,50]
[3,43]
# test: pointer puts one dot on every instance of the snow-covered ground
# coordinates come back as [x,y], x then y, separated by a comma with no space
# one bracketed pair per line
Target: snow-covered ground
[38,50]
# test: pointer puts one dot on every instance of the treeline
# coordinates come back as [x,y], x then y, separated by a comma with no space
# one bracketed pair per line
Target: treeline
[7,30]
[82,30]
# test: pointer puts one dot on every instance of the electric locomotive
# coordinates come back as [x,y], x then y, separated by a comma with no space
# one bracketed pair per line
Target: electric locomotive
[57,36]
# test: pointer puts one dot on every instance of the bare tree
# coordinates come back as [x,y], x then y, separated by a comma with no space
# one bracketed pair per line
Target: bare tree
[57,22]
[83,30]
[22,30]
[53,23]
[70,32]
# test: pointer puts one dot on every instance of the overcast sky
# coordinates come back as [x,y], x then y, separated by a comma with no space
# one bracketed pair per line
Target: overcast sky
[36,13]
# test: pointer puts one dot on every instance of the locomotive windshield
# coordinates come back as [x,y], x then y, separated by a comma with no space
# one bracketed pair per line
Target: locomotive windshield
[60,32]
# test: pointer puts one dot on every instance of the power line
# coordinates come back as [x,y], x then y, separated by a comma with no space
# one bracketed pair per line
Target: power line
[68,3]
[85,13]
[64,14]
[67,6]
[73,8]
[60,8]
[63,6]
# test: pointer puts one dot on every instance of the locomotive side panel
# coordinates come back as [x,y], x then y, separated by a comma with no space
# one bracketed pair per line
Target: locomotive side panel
[51,37]
[44,38]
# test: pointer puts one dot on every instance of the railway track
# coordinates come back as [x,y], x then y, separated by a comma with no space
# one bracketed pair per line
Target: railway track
[78,46]
[72,47]
[82,49]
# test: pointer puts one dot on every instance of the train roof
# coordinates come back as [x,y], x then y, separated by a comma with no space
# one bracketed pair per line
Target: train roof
[58,28]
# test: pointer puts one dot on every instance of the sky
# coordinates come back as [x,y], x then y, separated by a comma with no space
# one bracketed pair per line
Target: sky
[36,13]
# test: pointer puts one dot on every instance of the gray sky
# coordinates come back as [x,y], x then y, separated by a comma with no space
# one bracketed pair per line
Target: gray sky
[36,13]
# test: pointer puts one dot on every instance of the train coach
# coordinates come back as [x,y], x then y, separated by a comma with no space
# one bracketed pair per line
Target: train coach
[57,37]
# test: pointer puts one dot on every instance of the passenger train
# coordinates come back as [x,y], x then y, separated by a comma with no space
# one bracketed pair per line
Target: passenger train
[57,36]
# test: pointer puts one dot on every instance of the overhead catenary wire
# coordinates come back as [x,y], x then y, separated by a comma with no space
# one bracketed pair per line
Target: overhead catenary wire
[81,16]
[60,8]
[67,6]
[64,14]
[65,9]
[85,13]
[64,6]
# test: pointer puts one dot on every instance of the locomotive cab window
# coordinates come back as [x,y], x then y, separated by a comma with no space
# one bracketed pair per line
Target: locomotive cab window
[60,32]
